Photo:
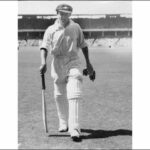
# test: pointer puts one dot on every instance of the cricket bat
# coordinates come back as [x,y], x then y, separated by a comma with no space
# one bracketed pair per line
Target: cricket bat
[44,111]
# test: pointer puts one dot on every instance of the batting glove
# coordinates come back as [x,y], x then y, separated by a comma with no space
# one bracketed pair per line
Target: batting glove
[92,76]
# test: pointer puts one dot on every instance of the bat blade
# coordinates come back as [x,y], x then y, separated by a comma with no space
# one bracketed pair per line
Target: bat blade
[44,110]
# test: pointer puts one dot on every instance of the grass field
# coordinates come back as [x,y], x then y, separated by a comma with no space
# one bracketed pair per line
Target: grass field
[106,108]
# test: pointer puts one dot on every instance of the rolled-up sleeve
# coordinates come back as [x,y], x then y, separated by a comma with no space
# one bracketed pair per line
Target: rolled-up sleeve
[80,40]
[46,43]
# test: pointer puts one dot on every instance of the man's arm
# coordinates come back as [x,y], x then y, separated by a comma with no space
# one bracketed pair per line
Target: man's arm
[88,63]
[89,68]
[43,67]
[83,45]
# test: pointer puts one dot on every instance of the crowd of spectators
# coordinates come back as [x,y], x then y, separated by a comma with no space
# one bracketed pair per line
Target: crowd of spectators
[85,23]
[103,42]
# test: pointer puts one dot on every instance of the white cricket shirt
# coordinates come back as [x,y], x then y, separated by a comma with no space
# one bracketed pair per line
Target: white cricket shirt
[63,44]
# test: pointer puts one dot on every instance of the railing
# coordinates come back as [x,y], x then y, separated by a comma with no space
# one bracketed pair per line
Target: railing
[84,30]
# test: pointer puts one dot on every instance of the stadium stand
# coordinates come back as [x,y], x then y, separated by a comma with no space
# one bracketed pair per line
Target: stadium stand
[85,23]
[96,29]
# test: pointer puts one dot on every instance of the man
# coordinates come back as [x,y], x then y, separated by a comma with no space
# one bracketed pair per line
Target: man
[63,40]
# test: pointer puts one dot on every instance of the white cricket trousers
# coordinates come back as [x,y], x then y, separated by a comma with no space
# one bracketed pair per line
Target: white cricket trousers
[67,97]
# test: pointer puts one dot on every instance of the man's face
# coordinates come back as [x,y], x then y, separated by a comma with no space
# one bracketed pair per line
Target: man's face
[64,17]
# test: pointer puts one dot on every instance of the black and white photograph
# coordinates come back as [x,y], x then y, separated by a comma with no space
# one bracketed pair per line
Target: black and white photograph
[74,74]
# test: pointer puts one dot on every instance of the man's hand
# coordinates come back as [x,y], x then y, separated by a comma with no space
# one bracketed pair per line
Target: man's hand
[90,71]
[43,68]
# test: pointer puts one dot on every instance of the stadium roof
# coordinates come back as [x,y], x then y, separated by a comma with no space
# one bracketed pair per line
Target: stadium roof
[48,16]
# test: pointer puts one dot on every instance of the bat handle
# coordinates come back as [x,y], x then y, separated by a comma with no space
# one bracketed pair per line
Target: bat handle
[43,81]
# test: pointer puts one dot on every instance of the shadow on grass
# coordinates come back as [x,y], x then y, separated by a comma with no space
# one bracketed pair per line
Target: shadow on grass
[58,135]
[64,135]
[105,133]
[92,134]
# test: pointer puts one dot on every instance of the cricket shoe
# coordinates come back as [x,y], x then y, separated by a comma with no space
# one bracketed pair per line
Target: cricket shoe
[63,128]
[75,135]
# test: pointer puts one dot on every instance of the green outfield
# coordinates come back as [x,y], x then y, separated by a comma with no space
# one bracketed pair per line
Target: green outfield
[106,108]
